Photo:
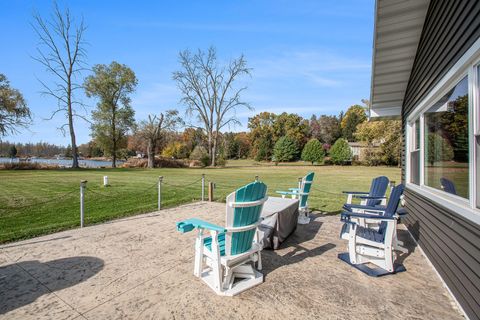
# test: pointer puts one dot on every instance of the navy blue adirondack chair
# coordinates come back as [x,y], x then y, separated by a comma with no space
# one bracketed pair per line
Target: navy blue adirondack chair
[372,198]
[373,245]
[448,186]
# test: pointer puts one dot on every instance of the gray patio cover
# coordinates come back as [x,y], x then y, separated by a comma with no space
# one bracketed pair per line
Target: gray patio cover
[280,220]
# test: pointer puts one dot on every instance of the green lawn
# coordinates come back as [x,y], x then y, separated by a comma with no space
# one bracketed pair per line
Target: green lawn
[43,201]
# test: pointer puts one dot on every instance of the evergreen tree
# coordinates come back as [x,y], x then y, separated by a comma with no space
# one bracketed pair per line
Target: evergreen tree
[340,152]
[313,151]
[286,149]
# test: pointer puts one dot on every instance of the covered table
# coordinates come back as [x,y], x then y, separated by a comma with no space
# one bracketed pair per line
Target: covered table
[280,220]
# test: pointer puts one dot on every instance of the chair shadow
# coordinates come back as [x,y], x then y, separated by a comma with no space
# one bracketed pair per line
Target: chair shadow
[408,243]
[24,282]
[304,233]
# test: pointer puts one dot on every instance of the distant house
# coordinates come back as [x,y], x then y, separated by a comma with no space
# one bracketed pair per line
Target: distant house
[358,149]
[426,72]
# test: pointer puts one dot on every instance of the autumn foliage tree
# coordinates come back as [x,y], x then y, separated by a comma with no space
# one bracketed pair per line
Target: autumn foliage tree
[14,112]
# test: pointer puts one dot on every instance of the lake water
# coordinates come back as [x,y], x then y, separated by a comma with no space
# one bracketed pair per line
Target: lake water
[67,162]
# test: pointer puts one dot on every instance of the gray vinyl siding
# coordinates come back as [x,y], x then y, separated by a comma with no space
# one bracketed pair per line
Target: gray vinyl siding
[451,242]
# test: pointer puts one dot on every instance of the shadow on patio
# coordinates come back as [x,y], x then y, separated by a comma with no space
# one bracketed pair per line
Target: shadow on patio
[24,282]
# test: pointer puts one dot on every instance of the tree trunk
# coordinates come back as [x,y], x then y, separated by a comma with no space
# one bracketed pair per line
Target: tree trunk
[214,151]
[114,145]
[70,127]
[151,154]
[210,145]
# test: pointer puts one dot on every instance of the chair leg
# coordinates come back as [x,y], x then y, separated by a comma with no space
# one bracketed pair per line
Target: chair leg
[198,267]
[259,262]
[216,263]
[352,246]
[389,256]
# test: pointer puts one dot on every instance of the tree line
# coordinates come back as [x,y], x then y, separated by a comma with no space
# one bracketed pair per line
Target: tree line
[210,94]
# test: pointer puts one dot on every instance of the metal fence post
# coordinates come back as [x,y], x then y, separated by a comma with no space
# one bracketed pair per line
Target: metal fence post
[83,185]
[160,192]
[211,187]
[203,187]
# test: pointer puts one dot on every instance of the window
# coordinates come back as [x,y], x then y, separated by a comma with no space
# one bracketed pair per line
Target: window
[415,153]
[443,139]
[477,139]
[446,142]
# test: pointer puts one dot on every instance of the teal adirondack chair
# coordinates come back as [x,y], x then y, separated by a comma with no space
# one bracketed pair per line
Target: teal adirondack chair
[232,252]
[302,194]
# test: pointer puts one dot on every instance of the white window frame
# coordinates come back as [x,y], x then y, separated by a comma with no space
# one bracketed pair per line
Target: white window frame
[467,65]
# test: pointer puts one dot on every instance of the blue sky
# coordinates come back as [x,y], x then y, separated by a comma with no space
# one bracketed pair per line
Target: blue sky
[308,57]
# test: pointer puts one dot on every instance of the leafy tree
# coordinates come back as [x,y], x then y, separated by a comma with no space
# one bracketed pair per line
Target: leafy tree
[193,137]
[200,153]
[388,133]
[232,146]
[264,150]
[438,149]
[153,131]
[208,91]
[244,144]
[12,153]
[261,134]
[313,151]
[293,126]
[175,149]
[326,128]
[61,51]
[340,152]
[353,117]
[286,149]
[114,117]
[13,108]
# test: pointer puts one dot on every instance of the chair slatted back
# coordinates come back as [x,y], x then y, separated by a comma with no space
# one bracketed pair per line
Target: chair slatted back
[240,242]
[305,187]
[392,205]
[378,188]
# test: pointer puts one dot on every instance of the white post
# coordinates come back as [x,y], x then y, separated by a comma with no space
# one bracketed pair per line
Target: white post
[392,185]
[299,184]
[105,181]
[83,185]
[203,187]
[160,192]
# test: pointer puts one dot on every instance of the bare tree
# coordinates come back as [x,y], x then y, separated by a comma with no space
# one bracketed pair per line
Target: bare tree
[154,128]
[61,52]
[209,93]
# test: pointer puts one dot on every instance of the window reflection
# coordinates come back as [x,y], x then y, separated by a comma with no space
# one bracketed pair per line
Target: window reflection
[446,142]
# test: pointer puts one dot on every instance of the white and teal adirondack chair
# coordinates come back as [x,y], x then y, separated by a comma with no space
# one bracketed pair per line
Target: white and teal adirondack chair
[301,193]
[232,252]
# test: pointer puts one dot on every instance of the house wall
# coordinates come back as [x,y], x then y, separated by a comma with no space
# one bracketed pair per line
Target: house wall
[451,242]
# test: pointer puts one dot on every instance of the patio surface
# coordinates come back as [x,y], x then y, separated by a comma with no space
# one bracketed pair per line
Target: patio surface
[141,268]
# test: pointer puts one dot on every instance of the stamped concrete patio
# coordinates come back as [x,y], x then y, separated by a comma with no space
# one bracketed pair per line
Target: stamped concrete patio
[141,268]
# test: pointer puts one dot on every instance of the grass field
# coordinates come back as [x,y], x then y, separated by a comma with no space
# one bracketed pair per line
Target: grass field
[43,201]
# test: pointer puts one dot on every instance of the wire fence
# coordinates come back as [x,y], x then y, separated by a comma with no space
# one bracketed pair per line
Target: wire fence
[92,203]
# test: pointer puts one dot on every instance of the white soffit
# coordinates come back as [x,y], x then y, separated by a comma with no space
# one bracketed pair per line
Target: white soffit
[398,26]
